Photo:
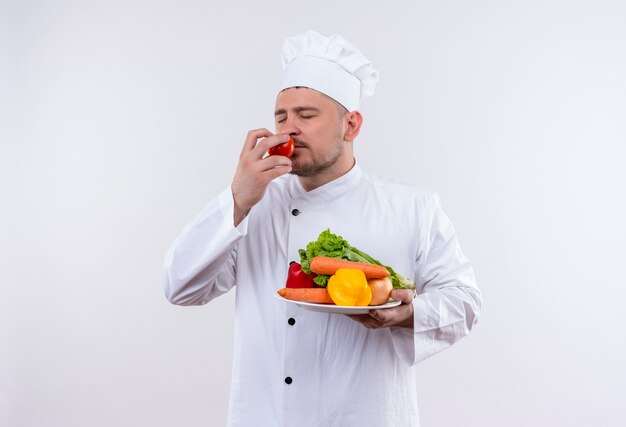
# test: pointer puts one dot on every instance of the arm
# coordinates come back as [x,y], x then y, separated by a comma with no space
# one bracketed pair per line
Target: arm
[447,303]
[200,265]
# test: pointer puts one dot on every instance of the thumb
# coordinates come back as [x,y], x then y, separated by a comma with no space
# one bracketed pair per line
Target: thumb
[403,295]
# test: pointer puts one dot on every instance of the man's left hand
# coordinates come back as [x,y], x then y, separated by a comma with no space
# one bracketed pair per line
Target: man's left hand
[401,315]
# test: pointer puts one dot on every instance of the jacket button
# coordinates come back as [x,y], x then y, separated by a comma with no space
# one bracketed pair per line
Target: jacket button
[288,380]
[291,321]
[295,212]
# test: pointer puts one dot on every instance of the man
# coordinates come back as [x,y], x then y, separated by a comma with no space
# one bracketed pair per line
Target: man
[294,367]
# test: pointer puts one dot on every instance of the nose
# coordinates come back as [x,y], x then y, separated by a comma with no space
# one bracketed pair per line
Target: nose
[288,126]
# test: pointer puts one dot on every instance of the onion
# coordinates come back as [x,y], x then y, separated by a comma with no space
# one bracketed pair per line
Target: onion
[381,290]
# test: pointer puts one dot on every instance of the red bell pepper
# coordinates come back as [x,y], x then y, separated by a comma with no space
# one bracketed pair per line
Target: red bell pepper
[296,278]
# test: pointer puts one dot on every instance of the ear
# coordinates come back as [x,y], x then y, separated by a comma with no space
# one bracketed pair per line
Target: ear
[353,122]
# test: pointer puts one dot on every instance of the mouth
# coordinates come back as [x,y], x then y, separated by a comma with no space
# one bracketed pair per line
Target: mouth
[300,144]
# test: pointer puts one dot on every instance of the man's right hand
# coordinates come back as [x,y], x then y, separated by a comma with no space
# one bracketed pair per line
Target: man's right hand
[254,173]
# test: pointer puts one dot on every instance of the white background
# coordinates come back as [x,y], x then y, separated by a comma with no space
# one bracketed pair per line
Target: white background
[121,119]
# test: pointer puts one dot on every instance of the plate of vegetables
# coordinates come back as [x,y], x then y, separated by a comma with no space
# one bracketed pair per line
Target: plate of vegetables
[334,277]
[339,309]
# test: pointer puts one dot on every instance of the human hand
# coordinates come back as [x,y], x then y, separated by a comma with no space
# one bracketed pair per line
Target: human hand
[401,315]
[254,172]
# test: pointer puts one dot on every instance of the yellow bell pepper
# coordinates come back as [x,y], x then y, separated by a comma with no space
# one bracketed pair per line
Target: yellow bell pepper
[348,286]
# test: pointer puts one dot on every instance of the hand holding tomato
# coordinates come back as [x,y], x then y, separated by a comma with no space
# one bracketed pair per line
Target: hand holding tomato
[285,149]
[256,170]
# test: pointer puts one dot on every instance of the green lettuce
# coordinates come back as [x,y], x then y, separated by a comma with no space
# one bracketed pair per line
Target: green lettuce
[334,246]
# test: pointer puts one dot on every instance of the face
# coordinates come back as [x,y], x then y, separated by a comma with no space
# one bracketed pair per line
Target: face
[314,122]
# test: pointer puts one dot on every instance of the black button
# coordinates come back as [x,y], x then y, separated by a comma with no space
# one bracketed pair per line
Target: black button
[295,212]
[288,380]
[291,321]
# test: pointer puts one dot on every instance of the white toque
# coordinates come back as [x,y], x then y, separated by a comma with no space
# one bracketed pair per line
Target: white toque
[331,65]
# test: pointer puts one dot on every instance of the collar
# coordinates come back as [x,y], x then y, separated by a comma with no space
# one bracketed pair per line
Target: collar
[328,191]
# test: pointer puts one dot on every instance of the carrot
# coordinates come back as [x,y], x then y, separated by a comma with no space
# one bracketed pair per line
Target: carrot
[327,265]
[315,295]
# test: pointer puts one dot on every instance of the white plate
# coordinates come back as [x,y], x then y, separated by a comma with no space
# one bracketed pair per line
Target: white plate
[339,309]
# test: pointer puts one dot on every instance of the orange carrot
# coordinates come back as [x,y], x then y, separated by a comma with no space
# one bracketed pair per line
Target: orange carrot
[315,295]
[327,265]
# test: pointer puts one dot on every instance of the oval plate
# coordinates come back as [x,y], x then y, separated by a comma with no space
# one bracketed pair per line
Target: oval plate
[339,309]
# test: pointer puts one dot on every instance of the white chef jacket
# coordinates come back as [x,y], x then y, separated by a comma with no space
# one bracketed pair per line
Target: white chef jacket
[325,370]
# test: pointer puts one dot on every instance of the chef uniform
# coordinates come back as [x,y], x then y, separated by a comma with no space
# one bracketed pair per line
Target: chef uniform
[301,368]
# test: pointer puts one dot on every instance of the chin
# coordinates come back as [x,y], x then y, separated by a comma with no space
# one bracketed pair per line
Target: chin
[298,172]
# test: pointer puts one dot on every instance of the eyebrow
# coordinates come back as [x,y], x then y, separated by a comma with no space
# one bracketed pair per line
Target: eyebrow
[297,110]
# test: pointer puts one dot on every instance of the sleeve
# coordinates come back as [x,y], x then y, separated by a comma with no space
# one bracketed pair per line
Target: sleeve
[448,302]
[200,264]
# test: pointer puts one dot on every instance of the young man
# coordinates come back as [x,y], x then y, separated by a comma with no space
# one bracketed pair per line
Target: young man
[294,367]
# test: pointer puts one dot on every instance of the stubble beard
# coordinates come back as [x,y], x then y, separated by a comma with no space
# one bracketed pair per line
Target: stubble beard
[317,167]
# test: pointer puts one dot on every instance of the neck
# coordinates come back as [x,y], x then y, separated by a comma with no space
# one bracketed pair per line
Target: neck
[310,183]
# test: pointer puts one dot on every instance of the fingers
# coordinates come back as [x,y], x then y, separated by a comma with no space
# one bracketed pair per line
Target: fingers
[271,162]
[252,137]
[403,295]
[366,320]
[277,171]
[359,317]
[252,145]
[385,318]
[265,144]
[401,315]
[255,170]
[369,320]
[270,168]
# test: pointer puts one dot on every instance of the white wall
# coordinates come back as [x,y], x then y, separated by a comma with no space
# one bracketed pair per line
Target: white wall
[120,119]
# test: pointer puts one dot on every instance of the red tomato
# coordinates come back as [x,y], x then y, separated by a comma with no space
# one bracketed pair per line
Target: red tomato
[286,149]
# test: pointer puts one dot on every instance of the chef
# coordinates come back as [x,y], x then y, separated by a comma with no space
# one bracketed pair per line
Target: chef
[297,367]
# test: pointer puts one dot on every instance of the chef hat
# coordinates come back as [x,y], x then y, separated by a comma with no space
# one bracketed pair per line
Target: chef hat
[331,65]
